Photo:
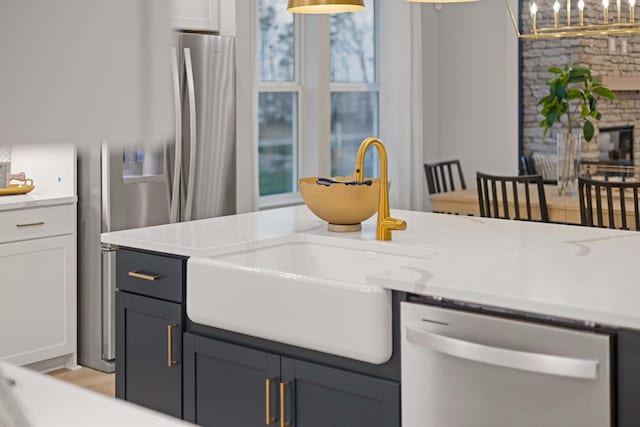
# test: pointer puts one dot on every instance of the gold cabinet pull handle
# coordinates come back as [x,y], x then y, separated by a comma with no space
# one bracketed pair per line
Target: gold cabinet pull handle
[283,422]
[150,277]
[267,401]
[30,224]
[170,361]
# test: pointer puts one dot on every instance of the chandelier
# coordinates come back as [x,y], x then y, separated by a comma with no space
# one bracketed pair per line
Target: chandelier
[621,23]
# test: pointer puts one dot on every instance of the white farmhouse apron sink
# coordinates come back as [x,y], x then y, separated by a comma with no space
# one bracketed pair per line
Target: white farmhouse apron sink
[305,293]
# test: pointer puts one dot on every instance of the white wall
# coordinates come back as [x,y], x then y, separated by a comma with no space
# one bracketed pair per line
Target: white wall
[237,19]
[430,101]
[52,167]
[471,87]
[396,95]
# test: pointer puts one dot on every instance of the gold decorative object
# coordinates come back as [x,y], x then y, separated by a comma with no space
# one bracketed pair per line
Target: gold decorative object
[24,187]
[607,27]
[324,6]
[343,206]
[385,223]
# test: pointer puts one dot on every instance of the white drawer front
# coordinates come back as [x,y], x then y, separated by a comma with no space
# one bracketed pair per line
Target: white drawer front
[33,223]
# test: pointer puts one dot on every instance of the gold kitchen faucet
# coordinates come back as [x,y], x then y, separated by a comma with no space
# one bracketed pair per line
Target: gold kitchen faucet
[385,223]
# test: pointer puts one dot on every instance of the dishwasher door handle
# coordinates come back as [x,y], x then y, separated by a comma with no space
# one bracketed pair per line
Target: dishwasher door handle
[525,361]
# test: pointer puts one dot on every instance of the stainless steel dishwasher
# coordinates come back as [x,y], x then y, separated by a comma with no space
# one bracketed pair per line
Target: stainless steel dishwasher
[461,369]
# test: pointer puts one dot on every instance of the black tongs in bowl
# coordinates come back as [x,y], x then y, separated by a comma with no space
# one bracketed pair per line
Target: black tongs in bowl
[328,181]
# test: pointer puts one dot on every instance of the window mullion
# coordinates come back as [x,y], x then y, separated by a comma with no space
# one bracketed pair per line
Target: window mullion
[353,87]
[279,87]
[316,137]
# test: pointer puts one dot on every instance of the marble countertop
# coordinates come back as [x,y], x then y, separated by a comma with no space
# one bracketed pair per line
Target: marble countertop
[48,402]
[32,200]
[572,272]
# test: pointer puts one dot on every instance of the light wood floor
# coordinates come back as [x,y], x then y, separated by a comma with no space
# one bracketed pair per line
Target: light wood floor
[89,379]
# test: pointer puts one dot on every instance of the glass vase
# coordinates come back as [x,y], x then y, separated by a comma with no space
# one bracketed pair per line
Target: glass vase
[568,163]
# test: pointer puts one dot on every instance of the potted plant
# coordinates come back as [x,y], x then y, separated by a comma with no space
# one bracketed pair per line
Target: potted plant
[573,102]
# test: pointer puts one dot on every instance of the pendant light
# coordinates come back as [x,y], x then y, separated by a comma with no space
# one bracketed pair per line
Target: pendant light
[324,6]
[442,1]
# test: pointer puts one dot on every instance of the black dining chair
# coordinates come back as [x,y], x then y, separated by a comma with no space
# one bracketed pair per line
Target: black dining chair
[526,166]
[605,171]
[441,177]
[496,193]
[617,199]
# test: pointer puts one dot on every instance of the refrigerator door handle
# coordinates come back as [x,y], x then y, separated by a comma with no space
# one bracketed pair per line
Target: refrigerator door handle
[105,190]
[108,303]
[108,261]
[175,189]
[192,134]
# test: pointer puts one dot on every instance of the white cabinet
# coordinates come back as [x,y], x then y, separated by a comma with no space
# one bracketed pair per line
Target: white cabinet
[38,285]
[198,15]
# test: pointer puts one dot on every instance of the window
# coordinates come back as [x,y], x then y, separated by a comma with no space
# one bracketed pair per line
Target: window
[279,90]
[354,91]
[352,81]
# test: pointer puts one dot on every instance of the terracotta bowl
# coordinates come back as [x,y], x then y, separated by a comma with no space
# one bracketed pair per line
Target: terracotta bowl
[343,206]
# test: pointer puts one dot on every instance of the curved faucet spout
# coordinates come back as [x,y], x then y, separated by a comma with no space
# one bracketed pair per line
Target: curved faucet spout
[385,223]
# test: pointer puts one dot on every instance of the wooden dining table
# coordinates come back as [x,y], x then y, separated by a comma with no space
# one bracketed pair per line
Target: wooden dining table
[562,209]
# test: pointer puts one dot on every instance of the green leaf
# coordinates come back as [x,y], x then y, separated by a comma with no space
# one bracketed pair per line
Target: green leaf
[579,71]
[559,90]
[579,75]
[545,99]
[564,108]
[604,92]
[585,111]
[552,117]
[596,115]
[574,93]
[555,70]
[588,130]
[579,79]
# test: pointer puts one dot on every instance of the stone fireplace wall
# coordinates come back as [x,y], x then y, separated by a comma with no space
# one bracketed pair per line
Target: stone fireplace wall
[592,52]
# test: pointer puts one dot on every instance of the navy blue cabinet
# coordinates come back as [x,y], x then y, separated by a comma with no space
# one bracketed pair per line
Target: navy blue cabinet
[320,396]
[149,327]
[226,384]
[166,363]
[148,352]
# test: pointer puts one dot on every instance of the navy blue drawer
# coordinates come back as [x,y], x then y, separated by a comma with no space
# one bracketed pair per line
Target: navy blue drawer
[158,276]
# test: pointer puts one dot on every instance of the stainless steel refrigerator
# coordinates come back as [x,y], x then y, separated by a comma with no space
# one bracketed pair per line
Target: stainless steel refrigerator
[124,186]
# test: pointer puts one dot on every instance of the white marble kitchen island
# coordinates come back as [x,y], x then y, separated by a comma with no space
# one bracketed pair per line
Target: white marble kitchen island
[283,300]
[571,272]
